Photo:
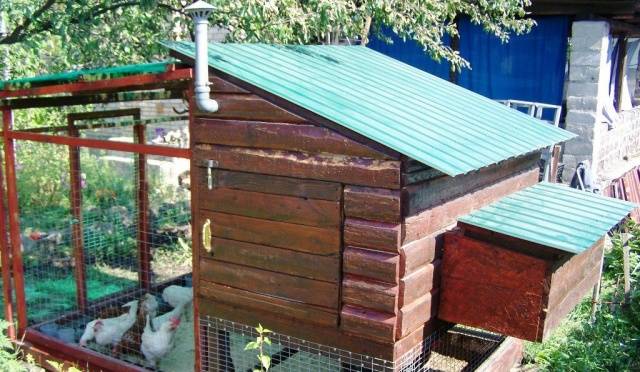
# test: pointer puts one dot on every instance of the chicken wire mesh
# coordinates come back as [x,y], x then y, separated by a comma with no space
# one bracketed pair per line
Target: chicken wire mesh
[222,345]
[94,257]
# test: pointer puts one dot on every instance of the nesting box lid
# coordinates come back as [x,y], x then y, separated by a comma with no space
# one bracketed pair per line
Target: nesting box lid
[552,215]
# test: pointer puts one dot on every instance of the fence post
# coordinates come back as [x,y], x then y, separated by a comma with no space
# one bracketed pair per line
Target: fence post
[5,257]
[144,252]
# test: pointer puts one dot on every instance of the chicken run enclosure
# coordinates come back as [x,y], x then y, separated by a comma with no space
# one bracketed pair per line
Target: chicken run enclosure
[99,206]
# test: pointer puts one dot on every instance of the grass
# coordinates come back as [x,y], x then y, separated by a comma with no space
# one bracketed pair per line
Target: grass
[612,342]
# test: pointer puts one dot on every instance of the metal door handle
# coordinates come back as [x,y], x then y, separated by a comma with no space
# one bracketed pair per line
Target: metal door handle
[206,236]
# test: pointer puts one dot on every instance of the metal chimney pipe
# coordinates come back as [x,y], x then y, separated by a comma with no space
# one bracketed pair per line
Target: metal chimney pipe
[199,12]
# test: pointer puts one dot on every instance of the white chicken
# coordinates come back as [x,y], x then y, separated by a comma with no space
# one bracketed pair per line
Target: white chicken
[156,344]
[177,311]
[110,331]
[150,305]
[175,295]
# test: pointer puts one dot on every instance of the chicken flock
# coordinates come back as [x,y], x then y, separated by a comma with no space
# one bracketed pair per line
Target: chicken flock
[140,328]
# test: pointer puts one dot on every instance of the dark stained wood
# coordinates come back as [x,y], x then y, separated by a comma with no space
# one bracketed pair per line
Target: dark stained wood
[584,7]
[280,260]
[301,238]
[135,82]
[270,283]
[368,323]
[22,103]
[409,342]
[505,358]
[419,283]
[5,260]
[381,266]
[415,314]
[352,170]
[298,110]
[420,252]
[272,207]
[372,204]
[425,195]
[512,292]
[373,235]
[219,85]
[142,185]
[279,136]
[310,332]
[261,303]
[443,216]
[367,293]
[272,184]
[249,107]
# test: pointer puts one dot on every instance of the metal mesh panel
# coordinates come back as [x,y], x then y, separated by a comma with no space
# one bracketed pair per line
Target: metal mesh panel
[222,345]
[129,218]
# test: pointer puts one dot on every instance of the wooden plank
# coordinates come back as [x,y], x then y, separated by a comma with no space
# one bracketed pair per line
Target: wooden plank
[135,82]
[270,283]
[425,195]
[420,252]
[381,266]
[372,204]
[507,289]
[442,216]
[219,85]
[370,294]
[22,103]
[326,268]
[419,283]
[249,107]
[279,136]
[258,302]
[272,184]
[321,213]
[415,314]
[305,330]
[338,168]
[505,358]
[373,235]
[309,239]
[368,323]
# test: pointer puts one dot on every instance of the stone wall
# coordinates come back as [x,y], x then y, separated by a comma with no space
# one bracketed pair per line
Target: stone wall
[619,148]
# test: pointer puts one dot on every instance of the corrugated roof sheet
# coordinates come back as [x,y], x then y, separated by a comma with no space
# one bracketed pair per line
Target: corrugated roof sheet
[419,115]
[553,215]
[87,74]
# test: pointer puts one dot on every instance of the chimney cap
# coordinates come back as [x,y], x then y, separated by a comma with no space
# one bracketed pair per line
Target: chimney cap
[199,9]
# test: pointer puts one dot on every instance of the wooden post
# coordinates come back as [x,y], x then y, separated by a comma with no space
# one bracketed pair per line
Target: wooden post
[627,274]
[75,180]
[144,252]
[5,257]
[14,222]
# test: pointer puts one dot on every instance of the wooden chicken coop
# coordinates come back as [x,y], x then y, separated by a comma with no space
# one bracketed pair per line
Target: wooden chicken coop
[322,190]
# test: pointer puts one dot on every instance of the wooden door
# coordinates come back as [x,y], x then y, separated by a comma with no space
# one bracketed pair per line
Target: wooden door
[268,242]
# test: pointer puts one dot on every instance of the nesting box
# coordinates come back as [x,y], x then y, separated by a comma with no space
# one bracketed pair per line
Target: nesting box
[519,265]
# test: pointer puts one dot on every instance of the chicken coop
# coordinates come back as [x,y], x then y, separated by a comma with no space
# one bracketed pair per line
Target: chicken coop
[349,203]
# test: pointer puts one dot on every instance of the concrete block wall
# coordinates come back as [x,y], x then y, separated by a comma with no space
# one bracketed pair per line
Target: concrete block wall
[619,149]
[587,90]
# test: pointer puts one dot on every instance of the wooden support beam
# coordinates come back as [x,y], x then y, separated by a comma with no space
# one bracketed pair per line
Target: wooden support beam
[14,221]
[144,250]
[23,103]
[5,259]
[77,240]
[100,144]
[135,82]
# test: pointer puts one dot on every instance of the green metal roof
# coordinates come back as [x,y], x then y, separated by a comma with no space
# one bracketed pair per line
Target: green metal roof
[408,110]
[88,74]
[553,215]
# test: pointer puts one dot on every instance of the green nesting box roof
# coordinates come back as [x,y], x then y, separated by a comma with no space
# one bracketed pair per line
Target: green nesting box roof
[87,75]
[406,109]
[552,215]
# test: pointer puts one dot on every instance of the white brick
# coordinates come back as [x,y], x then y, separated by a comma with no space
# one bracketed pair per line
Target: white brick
[589,74]
[590,28]
[582,89]
[579,119]
[584,58]
[582,103]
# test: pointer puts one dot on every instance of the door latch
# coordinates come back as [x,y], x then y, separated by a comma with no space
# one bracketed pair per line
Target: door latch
[206,236]
[211,164]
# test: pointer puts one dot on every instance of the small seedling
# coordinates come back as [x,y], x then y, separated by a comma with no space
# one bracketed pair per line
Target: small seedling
[258,344]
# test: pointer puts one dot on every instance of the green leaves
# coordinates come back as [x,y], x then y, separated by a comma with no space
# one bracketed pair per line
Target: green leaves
[263,358]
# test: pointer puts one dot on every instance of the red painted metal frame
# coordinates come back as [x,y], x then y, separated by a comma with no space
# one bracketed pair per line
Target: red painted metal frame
[100,144]
[14,222]
[124,83]
[5,259]
[77,353]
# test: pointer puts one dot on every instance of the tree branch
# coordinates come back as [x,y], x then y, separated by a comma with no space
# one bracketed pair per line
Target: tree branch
[18,33]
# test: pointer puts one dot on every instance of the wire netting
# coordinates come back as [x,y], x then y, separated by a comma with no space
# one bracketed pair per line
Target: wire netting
[105,235]
[223,342]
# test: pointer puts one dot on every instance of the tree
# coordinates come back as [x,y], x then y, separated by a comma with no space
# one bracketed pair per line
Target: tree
[94,32]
